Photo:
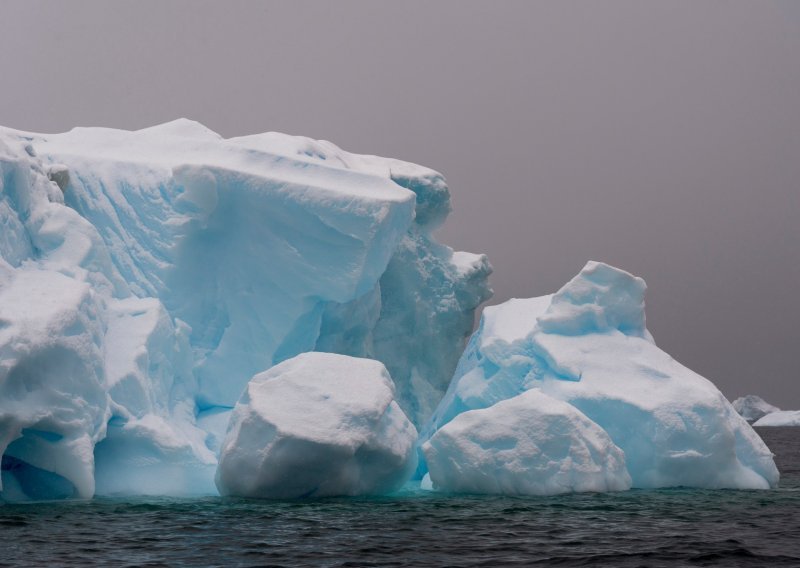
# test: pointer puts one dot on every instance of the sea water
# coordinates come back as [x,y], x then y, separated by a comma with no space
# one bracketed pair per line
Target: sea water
[675,527]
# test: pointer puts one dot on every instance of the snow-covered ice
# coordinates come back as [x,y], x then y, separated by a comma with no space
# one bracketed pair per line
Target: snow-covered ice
[588,346]
[530,444]
[317,425]
[780,418]
[753,407]
[146,276]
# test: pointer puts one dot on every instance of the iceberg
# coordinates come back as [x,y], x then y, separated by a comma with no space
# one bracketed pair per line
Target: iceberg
[530,444]
[271,316]
[753,407]
[780,418]
[147,276]
[588,346]
[317,425]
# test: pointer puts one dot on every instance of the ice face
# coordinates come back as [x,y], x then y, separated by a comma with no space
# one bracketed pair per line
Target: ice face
[53,404]
[163,268]
[588,346]
[753,407]
[780,418]
[530,444]
[317,425]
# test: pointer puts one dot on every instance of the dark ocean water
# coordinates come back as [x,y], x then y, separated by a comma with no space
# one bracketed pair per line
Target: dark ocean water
[635,528]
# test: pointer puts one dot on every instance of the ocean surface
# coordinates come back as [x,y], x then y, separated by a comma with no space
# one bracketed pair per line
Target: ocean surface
[676,527]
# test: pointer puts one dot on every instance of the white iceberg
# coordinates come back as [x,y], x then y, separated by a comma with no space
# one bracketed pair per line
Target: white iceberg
[530,444]
[317,425]
[753,407]
[146,276]
[588,346]
[780,418]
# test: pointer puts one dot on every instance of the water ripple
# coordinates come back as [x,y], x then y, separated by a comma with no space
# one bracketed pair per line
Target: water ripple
[676,527]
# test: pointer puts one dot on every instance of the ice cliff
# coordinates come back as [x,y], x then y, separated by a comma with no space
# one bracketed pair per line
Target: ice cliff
[146,276]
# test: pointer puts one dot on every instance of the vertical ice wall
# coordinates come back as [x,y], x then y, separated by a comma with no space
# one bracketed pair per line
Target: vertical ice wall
[417,318]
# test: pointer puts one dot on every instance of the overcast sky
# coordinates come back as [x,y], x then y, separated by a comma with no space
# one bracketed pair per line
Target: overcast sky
[663,138]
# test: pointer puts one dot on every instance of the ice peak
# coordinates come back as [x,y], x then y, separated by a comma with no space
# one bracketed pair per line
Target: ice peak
[184,128]
[600,298]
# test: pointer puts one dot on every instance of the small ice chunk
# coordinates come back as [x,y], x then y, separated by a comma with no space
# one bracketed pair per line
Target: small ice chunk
[531,444]
[316,425]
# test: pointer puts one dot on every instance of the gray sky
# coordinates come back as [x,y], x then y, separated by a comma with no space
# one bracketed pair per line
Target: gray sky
[663,137]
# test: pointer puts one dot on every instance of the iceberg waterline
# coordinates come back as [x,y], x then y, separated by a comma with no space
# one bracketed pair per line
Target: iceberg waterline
[147,276]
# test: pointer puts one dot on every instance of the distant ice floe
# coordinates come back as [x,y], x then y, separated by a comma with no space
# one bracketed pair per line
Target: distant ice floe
[753,407]
[780,418]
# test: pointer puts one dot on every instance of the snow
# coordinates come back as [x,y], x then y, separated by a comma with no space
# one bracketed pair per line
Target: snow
[317,425]
[531,444]
[780,418]
[753,407]
[163,268]
[588,346]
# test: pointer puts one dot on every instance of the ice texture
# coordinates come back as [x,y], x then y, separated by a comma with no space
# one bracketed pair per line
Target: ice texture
[146,276]
[317,425]
[753,407]
[780,418]
[530,444]
[588,346]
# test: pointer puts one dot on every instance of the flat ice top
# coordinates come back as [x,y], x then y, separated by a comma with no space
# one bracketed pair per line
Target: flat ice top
[780,418]
[513,320]
[314,394]
[293,159]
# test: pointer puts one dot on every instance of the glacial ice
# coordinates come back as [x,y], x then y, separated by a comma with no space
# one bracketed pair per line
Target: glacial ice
[146,276]
[317,425]
[780,418]
[753,407]
[588,346]
[530,444]
[150,278]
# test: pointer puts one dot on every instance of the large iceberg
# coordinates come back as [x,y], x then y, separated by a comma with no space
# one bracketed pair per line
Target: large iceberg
[149,280]
[588,346]
[146,276]
[317,425]
[753,407]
